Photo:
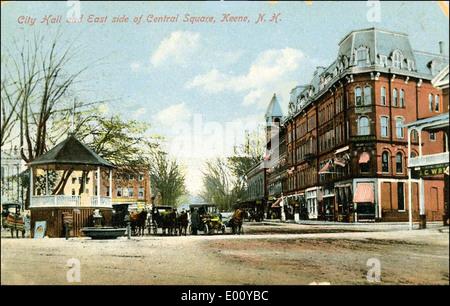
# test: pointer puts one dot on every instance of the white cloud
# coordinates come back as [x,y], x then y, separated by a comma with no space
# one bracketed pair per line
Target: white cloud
[178,48]
[174,113]
[139,112]
[135,65]
[270,66]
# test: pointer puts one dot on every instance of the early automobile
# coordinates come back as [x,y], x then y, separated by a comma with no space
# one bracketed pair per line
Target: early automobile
[211,219]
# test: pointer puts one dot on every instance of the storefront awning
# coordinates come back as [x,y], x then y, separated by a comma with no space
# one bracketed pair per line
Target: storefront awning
[277,202]
[341,150]
[325,168]
[364,193]
[340,162]
[364,158]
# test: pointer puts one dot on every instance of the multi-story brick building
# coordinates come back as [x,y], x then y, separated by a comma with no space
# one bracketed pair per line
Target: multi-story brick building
[346,148]
[129,186]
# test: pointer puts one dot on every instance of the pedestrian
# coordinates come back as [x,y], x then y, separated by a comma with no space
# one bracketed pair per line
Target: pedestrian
[195,221]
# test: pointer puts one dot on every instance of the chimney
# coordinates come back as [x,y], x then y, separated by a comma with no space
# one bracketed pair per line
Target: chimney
[441,47]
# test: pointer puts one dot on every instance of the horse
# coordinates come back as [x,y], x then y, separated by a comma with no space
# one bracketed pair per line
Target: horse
[15,222]
[182,222]
[138,220]
[168,221]
[237,219]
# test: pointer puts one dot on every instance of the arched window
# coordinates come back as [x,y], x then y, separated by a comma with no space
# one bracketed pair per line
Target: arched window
[363,126]
[385,162]
[436,103]
[395,97]
[399,163]
[430,102]
[358,96]
[402,98]
[367,96]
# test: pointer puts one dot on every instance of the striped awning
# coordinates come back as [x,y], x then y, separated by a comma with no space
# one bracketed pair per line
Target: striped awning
[277,202]
[364,193]
[325,168]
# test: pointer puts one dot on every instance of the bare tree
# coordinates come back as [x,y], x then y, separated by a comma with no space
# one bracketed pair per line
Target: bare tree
[37,77]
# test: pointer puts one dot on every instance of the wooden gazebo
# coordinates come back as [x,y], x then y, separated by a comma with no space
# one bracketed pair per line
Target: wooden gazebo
[58,210]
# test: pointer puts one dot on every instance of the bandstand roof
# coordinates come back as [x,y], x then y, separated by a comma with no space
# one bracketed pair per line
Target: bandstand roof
[71,154]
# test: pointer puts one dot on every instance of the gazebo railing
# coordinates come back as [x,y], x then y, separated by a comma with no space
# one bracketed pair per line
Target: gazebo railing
[69,201]
[104,202]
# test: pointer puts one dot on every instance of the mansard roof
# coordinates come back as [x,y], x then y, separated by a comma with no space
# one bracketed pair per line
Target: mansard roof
[381,47]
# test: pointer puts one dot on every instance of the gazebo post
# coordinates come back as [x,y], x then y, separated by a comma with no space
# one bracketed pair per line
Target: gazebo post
[110,183]
[46,181]
[31,185]
[98,186]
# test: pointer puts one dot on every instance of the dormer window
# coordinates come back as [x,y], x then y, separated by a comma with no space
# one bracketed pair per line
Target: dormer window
[362,57]
[435,67]
[383,60]
[397,59]
[411,65]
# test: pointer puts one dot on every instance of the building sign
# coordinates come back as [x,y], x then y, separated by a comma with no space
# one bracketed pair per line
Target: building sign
[430,170]
[363,138]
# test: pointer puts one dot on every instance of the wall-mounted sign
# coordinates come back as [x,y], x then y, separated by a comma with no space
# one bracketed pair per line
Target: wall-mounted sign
[430,170]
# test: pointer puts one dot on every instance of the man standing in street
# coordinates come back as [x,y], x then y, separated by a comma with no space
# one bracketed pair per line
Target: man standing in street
[195,221]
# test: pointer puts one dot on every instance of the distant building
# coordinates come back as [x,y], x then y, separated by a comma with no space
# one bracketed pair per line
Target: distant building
[275,160]
[130,185]
[11,168]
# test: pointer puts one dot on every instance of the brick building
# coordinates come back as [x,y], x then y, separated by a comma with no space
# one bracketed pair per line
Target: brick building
[129,186]
[346,147]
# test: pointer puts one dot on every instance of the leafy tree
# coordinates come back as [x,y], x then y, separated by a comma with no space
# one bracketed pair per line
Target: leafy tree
[224,179]
[168,178]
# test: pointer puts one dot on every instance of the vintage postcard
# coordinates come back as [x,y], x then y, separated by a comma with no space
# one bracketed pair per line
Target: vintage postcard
[225,143]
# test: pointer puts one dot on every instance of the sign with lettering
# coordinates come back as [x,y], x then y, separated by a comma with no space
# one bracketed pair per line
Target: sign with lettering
[430,170]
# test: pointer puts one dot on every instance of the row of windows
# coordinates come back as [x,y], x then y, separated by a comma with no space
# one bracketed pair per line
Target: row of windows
[385,162]
[127,192]
[364,128]
[119,177]
[305,177]
[308,147]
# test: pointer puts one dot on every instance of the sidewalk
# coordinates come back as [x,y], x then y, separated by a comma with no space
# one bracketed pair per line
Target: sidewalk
[369,226]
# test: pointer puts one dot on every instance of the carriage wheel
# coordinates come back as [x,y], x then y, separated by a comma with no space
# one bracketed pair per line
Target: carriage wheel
[206,229]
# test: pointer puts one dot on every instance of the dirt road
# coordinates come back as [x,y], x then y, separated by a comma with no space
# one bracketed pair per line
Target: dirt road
[286,256]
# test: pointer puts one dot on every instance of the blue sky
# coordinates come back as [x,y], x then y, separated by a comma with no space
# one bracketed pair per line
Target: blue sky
[171,74]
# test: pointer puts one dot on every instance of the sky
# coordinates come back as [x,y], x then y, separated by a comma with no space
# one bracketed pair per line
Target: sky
[202,84]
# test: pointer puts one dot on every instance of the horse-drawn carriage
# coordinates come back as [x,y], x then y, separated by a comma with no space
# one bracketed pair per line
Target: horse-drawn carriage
[163,217]
[13,219]
[210,218]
